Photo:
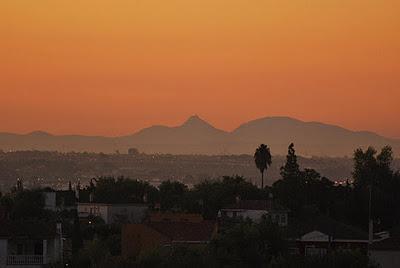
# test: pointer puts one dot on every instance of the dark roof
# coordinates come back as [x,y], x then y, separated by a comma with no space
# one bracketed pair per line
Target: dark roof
[391,243]
[267,205]
[31,229]
[328,226]
[185,231]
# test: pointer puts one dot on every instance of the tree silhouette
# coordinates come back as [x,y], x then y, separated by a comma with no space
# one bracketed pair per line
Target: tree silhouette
[291,169]
[263,160]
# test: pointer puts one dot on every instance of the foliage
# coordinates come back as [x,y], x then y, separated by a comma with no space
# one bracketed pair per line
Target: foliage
[291,169]
[213,195]
[172,195]
[335,259]
[291,189]
[248,244]
[263,159]
[374,170]
[28,205]
[123,190]
[305,190]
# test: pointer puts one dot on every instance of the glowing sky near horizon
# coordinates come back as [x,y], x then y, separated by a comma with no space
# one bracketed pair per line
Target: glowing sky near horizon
[100,67]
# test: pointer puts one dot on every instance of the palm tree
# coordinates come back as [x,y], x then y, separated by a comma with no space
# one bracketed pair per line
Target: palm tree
[263,160]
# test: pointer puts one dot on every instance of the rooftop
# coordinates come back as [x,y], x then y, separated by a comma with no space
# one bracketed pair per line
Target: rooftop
[29,229]
[267,205]
[328,226]
[112,205]
[185,231]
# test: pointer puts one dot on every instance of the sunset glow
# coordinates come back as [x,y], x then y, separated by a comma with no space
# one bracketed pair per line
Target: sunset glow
[113,67]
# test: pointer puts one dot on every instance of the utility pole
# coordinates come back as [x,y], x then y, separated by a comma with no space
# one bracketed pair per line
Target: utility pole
[370,221]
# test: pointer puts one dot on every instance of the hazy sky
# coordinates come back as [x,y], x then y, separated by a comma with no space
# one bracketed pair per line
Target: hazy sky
[112,67]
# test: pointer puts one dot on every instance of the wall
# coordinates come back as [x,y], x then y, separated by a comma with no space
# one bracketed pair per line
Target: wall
[133,214]
[98,210]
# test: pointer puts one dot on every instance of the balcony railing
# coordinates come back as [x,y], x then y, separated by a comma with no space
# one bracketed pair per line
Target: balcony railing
[25,260]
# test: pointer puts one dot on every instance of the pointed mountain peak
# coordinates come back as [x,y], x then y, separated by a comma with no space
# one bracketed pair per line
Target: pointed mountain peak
[195,120]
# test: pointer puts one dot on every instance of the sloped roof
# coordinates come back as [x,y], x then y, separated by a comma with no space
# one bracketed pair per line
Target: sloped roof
[185,231]
[30,229]
[328,226]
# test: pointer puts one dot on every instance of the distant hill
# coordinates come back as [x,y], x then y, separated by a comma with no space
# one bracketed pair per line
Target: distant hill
[196,136]
[310,138]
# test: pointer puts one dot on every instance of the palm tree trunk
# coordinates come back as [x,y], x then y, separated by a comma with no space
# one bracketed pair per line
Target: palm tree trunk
[262,180]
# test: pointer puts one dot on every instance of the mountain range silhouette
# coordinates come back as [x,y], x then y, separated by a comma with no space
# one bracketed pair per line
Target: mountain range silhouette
[197,136]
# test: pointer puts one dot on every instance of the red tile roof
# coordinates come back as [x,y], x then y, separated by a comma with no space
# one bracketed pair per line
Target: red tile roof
[185,231]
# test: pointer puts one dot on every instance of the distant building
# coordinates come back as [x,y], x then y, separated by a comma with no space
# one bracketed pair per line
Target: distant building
[66,200]
[256,210]
[30,244]
[111,213]
[59,200]
[316,236]
[166,231]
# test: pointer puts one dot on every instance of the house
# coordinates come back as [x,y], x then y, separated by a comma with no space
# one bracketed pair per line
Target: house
[66,200]
[112,213]
[59,200]
[30,244]
[315,236]
[164,232]
[256,210]
[386,252]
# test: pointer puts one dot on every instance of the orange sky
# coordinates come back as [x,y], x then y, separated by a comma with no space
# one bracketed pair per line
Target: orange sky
[112,67]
